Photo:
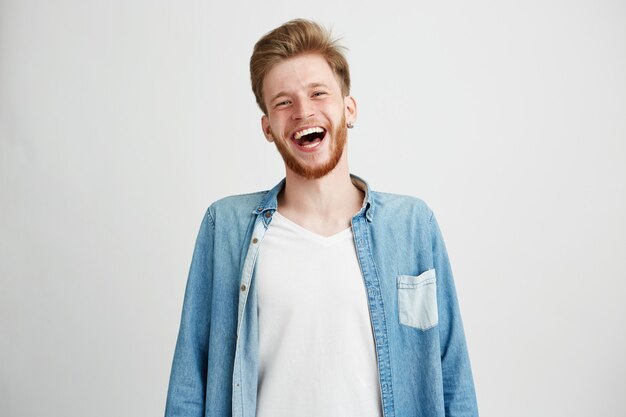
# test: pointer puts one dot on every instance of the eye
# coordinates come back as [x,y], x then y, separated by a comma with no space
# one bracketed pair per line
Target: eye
[319,93]
[282,103]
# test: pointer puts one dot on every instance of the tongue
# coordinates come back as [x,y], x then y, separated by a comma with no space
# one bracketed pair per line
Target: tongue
[308,140]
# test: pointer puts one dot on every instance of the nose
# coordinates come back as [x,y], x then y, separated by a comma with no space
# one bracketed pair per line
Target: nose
[303,109]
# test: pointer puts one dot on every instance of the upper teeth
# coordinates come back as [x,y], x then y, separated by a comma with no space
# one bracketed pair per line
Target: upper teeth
[308,131]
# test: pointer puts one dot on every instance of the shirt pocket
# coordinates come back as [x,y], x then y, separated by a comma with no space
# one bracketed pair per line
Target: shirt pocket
[417,300]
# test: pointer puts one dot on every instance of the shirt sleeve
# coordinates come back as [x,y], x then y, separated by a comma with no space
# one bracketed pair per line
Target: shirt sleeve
[458,385]
[188,378]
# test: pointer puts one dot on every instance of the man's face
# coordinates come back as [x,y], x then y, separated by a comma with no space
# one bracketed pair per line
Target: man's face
[306,115]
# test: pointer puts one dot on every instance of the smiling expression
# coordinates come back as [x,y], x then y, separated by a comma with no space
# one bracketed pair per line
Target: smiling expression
[306,115]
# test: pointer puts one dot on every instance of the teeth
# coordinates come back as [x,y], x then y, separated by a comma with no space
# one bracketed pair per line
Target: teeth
[308,131]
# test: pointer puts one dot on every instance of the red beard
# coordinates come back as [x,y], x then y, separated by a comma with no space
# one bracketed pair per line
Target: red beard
[338,134]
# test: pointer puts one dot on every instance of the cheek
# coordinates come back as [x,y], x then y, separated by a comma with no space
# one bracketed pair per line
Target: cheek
[277,129]
[277,122]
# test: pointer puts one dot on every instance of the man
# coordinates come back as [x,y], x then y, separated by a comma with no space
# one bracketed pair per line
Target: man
[319,297]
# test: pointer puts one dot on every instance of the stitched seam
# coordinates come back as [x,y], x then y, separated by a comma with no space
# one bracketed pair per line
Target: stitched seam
[382,302]
[210,216]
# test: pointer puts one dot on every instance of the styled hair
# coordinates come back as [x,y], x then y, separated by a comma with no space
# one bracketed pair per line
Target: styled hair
[291,39]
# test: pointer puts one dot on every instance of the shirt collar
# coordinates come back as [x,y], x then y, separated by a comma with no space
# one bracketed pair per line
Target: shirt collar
[269,203]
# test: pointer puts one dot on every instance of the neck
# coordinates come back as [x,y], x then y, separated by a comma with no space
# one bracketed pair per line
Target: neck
[325,204]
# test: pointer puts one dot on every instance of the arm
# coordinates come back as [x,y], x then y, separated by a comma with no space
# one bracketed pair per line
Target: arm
[458,385]
[187,387]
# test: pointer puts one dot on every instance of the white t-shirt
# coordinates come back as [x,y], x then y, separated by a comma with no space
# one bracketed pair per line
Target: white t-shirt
[316,347]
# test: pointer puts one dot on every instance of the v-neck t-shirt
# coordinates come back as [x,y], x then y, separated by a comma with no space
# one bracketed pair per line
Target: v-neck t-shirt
[316,346]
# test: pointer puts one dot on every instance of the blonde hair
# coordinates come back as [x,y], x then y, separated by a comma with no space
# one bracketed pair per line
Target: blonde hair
[293,38]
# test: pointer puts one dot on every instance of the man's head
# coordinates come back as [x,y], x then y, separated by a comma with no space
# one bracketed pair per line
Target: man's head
[296,37]
[301,82]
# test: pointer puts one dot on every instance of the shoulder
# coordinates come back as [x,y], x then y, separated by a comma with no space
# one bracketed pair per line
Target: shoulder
[399,206]
[237,205]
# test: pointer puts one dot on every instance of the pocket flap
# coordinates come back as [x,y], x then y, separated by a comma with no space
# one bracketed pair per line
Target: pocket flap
[410,281]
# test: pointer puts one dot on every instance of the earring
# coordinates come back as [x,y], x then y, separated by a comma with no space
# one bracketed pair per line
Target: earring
[350,125]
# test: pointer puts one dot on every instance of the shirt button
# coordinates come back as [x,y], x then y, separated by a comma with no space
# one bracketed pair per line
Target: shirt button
[243,287]
[255,241]
[260,209]
[268,214]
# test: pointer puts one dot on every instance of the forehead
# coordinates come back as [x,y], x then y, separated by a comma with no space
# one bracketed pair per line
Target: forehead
[297,73]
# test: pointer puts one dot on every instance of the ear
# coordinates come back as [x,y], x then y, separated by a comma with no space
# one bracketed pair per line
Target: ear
[267,130]
[350,110]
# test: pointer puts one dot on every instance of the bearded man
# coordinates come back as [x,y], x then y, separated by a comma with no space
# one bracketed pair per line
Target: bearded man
[319,297]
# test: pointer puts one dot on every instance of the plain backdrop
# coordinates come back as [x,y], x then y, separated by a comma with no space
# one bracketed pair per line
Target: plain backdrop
[121,121]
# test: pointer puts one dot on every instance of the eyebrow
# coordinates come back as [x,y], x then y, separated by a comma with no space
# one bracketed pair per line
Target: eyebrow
[311,85]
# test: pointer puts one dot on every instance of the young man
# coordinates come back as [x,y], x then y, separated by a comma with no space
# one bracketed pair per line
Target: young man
[319,297]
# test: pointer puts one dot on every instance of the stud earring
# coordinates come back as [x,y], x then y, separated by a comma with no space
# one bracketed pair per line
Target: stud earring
[350,125]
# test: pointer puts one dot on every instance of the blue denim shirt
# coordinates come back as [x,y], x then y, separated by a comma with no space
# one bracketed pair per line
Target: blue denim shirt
[423,365]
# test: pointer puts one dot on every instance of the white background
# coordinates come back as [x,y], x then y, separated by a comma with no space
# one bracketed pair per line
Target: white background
[121,121]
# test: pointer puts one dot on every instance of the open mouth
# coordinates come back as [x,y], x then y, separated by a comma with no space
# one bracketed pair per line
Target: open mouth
[309,138]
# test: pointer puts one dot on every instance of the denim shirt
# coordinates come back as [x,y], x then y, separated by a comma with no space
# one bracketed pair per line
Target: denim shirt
[422,359]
